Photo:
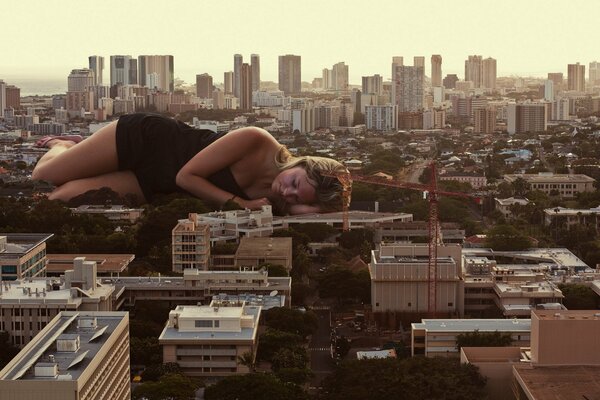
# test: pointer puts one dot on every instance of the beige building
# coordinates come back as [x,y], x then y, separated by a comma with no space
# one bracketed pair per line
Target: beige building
[27,306]
[256,251]
[476,181]
[570,217]
[437,337]
[208,340]
[197,286]
[23,255]
[77,356]
[562,362]
[504,205]
[399,279]
[565,185]
[190,244]
[114,213]
[356,219]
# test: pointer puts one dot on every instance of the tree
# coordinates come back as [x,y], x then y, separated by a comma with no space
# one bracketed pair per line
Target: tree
[155,372]
[7,350]
[343,284]
[248,360]
[507,238]
[578,297]
[418,378]
[317,232]
[254,387]
[275,270]
[289,357]
[145,351]
[483,339]
[170,386]
[273,340]
[292,321]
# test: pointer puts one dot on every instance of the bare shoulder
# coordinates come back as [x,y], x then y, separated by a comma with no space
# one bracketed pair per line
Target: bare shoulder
[254,135]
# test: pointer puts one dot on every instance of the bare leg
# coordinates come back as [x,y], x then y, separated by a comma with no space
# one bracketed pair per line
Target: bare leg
[122,182]
[66,161]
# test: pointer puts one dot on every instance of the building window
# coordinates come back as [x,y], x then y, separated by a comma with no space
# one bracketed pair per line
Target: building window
[409,304]
[216,323]
[450,304]
[203,323]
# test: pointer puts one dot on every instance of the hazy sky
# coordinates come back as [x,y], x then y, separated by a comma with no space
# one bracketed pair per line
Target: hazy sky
[48,38]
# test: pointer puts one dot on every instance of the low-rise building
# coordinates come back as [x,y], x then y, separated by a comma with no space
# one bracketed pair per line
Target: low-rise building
[475,180]
[115,213]
[27,305]
[569,217]
[77,356]
[208,340]
[356,219]
[23,255]
[256,251]
[389,232]
[505,205]
[565,185]
[400,280]
[437,337]
[108,265]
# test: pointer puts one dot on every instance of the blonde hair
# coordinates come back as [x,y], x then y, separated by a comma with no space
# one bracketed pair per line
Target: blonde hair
[329,190]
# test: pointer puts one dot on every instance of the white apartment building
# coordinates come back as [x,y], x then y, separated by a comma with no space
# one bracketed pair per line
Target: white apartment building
[565,185]
[381,118]
[207,340]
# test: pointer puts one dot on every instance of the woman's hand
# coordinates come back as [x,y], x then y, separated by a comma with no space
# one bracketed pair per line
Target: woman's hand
[255,204]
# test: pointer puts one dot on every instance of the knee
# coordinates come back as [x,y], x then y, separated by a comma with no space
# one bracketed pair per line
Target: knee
[41,172]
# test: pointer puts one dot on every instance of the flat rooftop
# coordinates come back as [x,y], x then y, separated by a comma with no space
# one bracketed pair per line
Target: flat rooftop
[567,314]
[245,334]
[553,257]
[543,178]
[353,215]
[17,292]
[71,365]
[18,244]
[263,247]
[470,325]
[105,263]
[558,383]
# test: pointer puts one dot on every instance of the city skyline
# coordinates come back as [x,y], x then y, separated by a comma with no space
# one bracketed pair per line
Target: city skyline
[452,29]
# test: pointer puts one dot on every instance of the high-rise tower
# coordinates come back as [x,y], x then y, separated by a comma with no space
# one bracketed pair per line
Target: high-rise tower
[238,60]
[96,64]
[474,70]
[289,74]
[255,65]
[436,70]
[119,70]
[594,73]
[204,86]
[407,87]
[228,82]
[488,80]
[246,87]
[576,77]
[162,66]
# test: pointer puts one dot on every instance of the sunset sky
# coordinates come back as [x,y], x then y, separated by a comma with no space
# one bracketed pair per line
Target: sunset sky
[533,37]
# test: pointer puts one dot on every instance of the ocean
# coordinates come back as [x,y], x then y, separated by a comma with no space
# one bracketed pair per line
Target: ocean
[38,86]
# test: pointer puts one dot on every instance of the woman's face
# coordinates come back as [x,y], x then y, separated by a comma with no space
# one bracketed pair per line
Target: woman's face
[294,187]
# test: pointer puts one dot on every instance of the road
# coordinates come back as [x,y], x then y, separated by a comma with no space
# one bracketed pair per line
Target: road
[319,348]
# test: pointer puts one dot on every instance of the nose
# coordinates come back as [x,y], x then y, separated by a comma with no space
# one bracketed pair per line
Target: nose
[287,192]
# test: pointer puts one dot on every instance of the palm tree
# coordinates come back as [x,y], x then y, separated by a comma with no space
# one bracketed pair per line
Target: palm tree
[247,359]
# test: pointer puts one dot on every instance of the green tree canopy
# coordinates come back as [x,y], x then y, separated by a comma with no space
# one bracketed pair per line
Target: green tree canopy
[417,378]
[273,340]
[579,297]
[254,387]
[292,321]
[507,238]
[170,386]
[343,284]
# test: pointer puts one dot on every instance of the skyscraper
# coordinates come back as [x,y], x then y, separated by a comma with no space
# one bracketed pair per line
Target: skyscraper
[556,77]
[162,66]
[80,80]
[549,90]
[419,61]
[246,87]
[576,77]
[2,97]
[119,70]
[238,60]
[450,81]
[289,74]
[96,64]
[339,76]
[133,71]
[228,82]
[255,65]
[327,78]
[489,73]
[594,73]
[204,86]
[526,117]
[407,87]
[372,84]
[474,70]
[436,70]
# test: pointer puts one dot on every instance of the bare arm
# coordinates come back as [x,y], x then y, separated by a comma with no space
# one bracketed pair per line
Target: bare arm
[220,154]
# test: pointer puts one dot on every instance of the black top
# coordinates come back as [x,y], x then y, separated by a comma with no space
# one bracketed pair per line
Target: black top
[155,148]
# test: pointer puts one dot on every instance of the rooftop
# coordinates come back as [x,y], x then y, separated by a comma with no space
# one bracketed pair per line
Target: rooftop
[46,290]
[470,325]
[106,263]
[353,215]
[556,383]
[71,364]
[264,247]
[20,243]
[549,177]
